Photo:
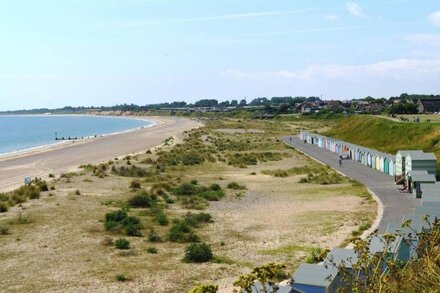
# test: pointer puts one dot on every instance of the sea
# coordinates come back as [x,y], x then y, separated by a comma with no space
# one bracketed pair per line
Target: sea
[23,132]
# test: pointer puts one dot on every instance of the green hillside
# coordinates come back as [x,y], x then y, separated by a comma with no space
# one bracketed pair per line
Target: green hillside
[386,135]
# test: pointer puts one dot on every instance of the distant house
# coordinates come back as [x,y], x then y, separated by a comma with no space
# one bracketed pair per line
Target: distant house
[428,105]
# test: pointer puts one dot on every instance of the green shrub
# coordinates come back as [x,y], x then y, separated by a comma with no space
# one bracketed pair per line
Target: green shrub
[215,187]
[121,278]
[111,226]
[122,244]
[196,219]
[182,232]
[135,184]
[316,255]
[115,216]
[235,186]
[194,182]
[211,195]
[154,237]
[142,200]
[204,289]
[186,189]
[3,207]
[152,250]
[132,171]
[162,219]
[198,252]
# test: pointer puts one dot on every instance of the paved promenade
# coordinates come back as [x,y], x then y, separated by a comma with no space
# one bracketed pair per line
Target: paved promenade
[395,204]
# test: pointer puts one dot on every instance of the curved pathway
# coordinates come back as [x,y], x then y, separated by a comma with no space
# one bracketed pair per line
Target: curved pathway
[395,204]
[68,157]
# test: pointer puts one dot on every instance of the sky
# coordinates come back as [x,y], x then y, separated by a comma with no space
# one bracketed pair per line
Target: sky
[104,52]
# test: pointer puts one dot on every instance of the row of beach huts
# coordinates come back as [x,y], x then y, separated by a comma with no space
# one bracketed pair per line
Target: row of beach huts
[417,172]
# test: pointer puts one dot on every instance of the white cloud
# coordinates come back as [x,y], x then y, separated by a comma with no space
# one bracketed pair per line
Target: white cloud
[213,18]
[354,9]
[435,18]
[342,81]
[400,69]
[331,17]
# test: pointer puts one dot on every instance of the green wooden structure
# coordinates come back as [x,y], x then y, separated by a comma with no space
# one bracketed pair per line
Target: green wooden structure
[416,178]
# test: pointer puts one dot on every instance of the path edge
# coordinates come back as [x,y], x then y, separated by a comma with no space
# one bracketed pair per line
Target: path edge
[380,207]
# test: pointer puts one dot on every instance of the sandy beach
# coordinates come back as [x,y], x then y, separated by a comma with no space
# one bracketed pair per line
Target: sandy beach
[66,157]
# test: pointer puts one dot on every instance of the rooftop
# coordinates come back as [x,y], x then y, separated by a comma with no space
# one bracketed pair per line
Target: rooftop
[314,275]
[422,156]
[421,176]
[340,256]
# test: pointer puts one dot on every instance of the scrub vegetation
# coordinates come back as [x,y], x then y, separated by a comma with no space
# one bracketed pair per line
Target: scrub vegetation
[183,214]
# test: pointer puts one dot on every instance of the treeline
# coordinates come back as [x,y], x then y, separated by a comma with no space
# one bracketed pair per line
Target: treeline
[204,103]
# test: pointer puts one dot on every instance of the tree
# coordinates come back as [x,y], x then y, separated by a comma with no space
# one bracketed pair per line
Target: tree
[243,103]
[234,103]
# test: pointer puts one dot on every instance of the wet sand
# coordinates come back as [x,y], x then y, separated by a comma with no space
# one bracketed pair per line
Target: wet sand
[69,156]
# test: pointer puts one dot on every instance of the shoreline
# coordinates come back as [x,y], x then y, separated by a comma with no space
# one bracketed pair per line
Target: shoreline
[67,157]
[64,143]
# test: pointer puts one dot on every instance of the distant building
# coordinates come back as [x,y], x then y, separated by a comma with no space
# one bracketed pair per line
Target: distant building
[428,105]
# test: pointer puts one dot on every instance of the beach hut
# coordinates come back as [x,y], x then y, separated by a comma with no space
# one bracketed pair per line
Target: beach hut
[377,162]
[415,178]
[386,167]
[431,197]
[391,166]
[341,257]
[316,278]
[421,161]
[431,211]
[400,161]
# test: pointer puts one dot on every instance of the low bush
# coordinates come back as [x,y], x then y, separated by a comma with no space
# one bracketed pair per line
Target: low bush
[135,184]
[162,219]
[204,289]
[152,250]
[3,207]
[132,171]
[116,216]
[121,278]
[119,220]
[154,237]
[122,243]
[198,252]
[142,200]
[182,232]
[235,186]
[196,219]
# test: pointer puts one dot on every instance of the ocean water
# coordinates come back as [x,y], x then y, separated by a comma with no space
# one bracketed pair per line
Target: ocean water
[19,133]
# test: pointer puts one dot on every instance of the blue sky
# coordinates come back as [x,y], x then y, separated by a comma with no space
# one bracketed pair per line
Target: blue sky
[103,52]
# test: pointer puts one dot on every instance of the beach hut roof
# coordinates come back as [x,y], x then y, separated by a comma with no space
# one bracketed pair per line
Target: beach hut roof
[340,256]
[432,211]
[378,244]
[421,176]
[434,186]
[314,275]
[431,192]
[422,156]
[405,153]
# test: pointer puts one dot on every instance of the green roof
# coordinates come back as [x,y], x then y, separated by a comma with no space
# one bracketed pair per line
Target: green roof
[422,157]
[421,176]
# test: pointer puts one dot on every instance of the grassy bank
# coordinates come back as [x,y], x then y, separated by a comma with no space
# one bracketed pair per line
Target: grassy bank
[386,135]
